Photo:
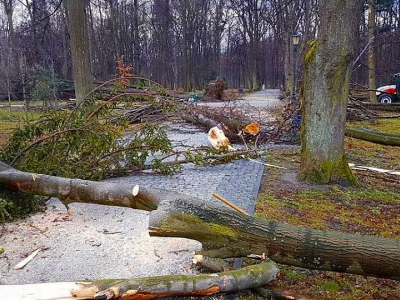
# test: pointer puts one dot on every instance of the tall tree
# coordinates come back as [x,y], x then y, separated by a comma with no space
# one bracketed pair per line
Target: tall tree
[136,39]
[371,51]
[218,26]
[10,68]
[249,15]
[81,62]
[325,93]
[162,43]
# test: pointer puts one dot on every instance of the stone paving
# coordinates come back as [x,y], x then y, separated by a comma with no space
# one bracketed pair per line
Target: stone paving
[237,181]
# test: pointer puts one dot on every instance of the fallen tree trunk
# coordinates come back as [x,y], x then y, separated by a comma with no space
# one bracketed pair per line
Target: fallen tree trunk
[374,136]
[225,232]
[150,287]
[85,191]
[382,106]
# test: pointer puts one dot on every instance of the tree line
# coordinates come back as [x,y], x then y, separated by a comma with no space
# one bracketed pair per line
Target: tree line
[181,43]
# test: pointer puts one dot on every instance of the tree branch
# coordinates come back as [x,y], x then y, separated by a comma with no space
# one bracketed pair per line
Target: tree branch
[150,287]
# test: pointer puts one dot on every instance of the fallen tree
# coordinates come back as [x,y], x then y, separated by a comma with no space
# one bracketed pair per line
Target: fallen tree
[226,233]
[374,136]
[392,107]
[151,287]
[223,231]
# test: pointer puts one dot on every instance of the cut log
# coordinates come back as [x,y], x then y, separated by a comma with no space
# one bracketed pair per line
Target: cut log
[148,288]
[77,190]
[225,233]
[373,136]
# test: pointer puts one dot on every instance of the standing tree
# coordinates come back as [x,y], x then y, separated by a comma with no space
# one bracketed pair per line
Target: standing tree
[249,15]
[80,50]
[325,94]
[162,63]
[9,54]
[371,51]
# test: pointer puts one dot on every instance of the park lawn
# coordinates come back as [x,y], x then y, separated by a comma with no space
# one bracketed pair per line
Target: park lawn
[12,118]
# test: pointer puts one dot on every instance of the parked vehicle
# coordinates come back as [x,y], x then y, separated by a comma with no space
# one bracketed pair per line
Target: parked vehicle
[389,93]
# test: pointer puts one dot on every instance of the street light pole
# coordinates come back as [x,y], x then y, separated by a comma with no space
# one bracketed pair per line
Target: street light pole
[295,39]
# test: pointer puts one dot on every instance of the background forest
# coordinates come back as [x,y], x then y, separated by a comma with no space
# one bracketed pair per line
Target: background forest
[179,43]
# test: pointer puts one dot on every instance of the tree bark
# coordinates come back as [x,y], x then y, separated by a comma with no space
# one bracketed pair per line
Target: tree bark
[374,136]
[325,94]
[80,50]
[150,287]
[371,52]
[77,190]
[224,232]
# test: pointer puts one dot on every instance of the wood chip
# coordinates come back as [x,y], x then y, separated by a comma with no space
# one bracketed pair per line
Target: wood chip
[24,262]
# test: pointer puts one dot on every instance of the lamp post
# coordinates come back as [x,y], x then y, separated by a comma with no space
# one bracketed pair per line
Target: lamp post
[295,39]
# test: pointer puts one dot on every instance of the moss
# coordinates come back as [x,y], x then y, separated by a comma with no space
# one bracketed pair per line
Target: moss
[331,286]
[216,239]
[371,209]
[339,80]
[294,276]
[190,223]
[326,171]
[390,126]
[311,51]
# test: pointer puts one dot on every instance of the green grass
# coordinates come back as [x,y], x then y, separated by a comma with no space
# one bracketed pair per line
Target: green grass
[13,118]
[384,125]
[21,102]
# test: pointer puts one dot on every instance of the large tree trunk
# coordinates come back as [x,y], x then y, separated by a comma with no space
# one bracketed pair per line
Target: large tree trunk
[223,231]
[325,93]
[80,50]
[226,233]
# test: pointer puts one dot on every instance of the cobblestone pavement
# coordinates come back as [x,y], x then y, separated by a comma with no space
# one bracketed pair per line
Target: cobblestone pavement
[237,181]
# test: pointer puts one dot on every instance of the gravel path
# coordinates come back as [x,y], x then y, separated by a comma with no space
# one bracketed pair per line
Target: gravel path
[112,242]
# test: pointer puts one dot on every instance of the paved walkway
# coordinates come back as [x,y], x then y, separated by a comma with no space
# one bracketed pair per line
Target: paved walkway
[113,242]
[237,181]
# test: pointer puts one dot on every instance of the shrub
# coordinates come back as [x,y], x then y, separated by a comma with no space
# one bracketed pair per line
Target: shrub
[15,205]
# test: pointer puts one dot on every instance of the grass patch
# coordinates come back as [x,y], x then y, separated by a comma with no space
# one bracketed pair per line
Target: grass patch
[384,125]
[12,118]
[371,154]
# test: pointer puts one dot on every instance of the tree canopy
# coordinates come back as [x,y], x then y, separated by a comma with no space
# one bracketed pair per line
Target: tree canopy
[181,44]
